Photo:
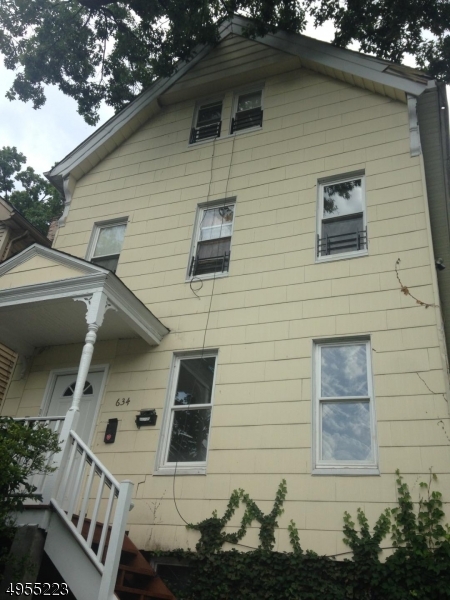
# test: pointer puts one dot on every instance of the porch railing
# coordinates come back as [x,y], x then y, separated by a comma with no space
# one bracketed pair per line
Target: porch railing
[92,504]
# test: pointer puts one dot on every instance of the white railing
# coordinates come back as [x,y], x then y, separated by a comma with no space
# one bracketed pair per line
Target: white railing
[85,493]
[87,497]
[44,482]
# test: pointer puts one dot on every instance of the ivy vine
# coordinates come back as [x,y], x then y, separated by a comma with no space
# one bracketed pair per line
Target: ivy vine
[418,567]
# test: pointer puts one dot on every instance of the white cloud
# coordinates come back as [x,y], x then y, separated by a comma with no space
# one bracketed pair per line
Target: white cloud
[46,135]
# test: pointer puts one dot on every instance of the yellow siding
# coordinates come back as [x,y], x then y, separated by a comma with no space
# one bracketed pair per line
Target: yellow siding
[264,315]
[37,270]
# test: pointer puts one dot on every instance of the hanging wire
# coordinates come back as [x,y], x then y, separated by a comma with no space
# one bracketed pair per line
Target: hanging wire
[211,298]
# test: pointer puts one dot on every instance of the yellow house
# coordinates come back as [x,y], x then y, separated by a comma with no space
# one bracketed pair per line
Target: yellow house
[222,306]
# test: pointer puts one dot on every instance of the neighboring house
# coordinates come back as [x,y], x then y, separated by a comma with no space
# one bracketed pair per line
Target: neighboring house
[16,234]
[231,240]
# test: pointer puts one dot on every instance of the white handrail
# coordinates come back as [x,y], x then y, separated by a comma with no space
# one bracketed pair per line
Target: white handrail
[78,496]
[76,492]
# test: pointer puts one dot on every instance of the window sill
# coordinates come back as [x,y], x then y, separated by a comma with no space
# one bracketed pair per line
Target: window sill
[206,276]
[180,470]
[344,470]
[343,256]
[225,137]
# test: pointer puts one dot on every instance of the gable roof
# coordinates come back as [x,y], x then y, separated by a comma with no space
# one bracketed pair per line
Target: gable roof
[353,67]
[12,218]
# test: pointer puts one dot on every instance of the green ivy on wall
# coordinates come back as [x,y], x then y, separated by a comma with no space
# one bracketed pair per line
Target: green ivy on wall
[418,567]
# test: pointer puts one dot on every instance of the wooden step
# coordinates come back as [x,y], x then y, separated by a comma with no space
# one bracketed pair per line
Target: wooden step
[135,577]
[142,593]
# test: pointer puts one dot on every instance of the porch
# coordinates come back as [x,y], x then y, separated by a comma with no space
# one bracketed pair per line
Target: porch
[50,299]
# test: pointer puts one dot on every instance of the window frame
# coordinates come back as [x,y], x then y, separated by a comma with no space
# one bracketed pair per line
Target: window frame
[196,234]
[336,179]
[329,467]
[243,92]
[97,227]
[162,466]
[198,105]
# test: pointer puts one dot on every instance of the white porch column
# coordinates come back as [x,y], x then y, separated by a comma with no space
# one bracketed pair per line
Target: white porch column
[97,304]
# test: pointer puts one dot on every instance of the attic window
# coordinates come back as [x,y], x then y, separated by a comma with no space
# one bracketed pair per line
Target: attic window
[208,122]
[248,111]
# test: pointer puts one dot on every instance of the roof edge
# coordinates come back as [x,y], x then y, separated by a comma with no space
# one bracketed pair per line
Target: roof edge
[324,53]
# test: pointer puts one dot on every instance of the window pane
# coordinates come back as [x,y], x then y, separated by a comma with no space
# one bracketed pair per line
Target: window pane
[195,381]
[346,431]
[249,101]
[209,113]
[213,248]
[342,198]
[343,371]
[341,235]
[216,223]
[110,240]
[189,439]
[109,262]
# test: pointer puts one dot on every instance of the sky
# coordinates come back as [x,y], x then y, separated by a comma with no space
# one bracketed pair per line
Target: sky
[48,134]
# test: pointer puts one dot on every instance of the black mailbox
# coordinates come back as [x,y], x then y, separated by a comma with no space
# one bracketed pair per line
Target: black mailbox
[146,417]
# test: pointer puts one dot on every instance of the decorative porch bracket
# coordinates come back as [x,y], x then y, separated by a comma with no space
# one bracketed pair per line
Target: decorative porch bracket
[97,304]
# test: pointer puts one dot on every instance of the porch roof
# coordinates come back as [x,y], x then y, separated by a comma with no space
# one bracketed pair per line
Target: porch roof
[37,308]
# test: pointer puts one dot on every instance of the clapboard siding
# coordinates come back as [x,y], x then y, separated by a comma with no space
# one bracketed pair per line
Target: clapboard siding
[274,302]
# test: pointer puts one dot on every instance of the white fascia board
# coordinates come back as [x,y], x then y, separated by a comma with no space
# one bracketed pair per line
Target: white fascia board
[118,121]
[51,254]
[333,57]
[131,309]
[135,314]
[298,45]
[53,290]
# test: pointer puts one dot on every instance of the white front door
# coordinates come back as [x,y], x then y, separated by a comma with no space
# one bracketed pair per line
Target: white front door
[62,395]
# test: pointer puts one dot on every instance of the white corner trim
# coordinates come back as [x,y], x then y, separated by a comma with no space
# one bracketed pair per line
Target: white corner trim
[69,187]
[414,135]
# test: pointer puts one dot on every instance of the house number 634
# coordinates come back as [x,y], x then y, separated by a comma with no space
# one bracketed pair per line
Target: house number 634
[122,401]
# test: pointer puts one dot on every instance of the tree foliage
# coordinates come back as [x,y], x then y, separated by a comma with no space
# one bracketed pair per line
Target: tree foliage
[23,453]
[111,50]
[35,198]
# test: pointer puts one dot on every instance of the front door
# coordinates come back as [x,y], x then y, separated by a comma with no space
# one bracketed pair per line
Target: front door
[62,395]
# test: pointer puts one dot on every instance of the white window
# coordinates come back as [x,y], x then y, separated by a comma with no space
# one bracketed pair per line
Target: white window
[248,111]
[344,414]
[211,246]
[106,244]
[341,227]
[207,122]
[185,431]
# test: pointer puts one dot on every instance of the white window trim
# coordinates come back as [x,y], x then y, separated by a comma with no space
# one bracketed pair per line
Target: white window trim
[198,106]
[98,226]
[196,233]
[322,467]
[320,185]
[241,92]
[162,467]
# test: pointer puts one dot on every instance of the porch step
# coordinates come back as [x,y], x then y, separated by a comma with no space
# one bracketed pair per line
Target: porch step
[136,579]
